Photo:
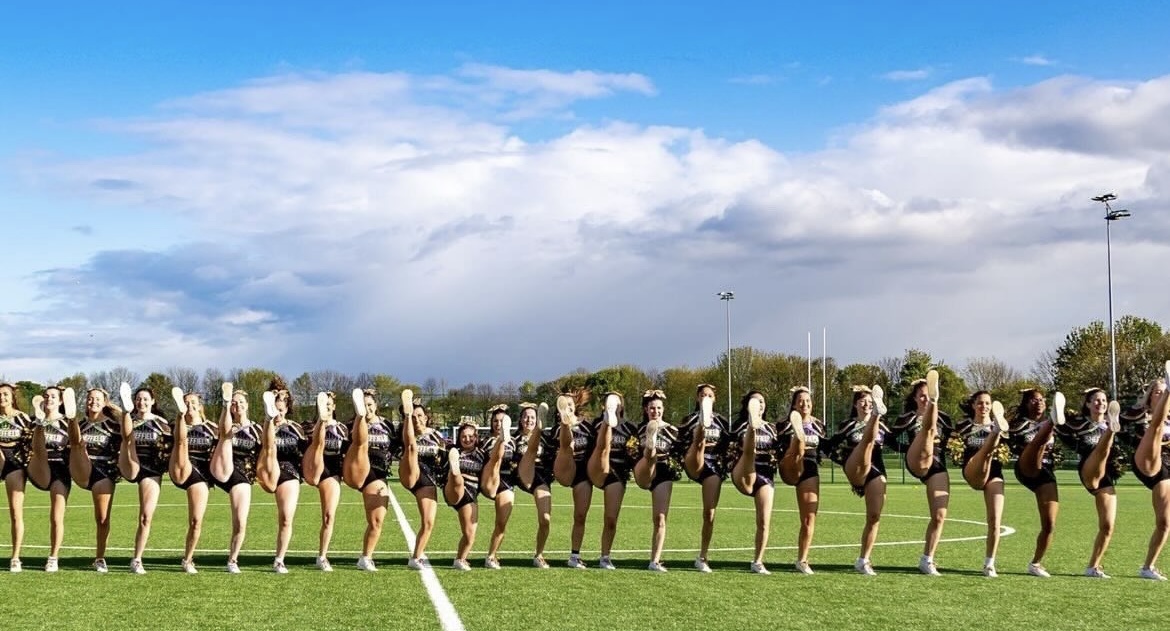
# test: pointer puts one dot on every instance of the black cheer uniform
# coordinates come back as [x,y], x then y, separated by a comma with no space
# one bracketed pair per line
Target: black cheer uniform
[1082,435]
[974,436]
[667,445]
[767,444]
[103,439]
[432,459]
[57,452]
[201,440]
[245,451]
[814,432]
[584,435]
[716,439]
[152,443]
[380,444]
[1021,433]
[15,434]
[906,428]
[507,465]
[545,456]
[841,444]
[621,462]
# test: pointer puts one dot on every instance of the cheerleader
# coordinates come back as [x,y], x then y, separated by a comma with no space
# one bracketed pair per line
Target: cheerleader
[755,467]
[575,438]
[15,434]
[465,462]
[705,461]
[142,459]
[982,464]
[800,438]
[655,471]
[48,463]
[278,468]
[423,449]
[322,466]
[1091,435]
[1151,465]
[927,431]
[857,447]
[609,468]
[190,466]
[1030,440]
[94,442]
[501,492]
[233,465]
[367,466]
[533,471]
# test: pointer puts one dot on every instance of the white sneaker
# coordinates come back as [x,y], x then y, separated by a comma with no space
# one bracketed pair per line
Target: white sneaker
[707,411]
[611,407]
[126,395]
[279,568]
[233,567]
[322,405]
[270,410]
[1035,569]
[453,461]
[927,567]
[998,420]
[755,414]
[324,565]
[797,423]
[1058,404]
[989,571]
[863,566]
[136,567]
[14,566]
[359,402]
[702,566]
[69,402]
[1151,573]
[932,385]
[491,564]
[100,566]
[541,414]
[605,563]
[656,566]
[364,563]
[650,444]
[758,568]
[418,564]
[565,409]
[576,563]
[1114,415]
[505,427]
[51,564]
[189,567]
[803,568]
[1096,572]
[461,565]
[226,389]
[177,395]
[879,405]
[539,562]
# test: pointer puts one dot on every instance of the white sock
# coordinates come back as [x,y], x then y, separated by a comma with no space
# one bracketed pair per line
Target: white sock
[989,562]
[926,558]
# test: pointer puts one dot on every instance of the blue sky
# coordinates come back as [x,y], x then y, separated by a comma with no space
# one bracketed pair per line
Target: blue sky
[240,176]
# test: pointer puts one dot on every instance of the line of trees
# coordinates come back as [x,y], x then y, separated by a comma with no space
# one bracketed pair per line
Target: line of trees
[1080,362]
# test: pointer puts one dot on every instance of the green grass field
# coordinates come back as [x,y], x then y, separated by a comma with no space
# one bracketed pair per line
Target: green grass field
[521,597]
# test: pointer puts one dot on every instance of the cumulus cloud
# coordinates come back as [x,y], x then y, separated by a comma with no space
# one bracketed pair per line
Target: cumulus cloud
[402,223]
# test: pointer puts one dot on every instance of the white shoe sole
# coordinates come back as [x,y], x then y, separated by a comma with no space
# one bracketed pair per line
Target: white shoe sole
[69,401]
[359,402]
[998,417]
[126,395]
[707,411]
[932,392]
[1058,403]
[541,414]
[226,390]
[797,423]
[1114,416]
[322,405]
[270,410]
[177,395]
[611,407]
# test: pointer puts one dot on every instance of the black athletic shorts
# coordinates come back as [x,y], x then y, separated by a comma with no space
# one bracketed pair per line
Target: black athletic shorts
[810,471]
[1033,483]
[102,471]
[663,473]
[937,466]
[58,472]
[374,475]
[200,472]
[289,471]
[876,470]
[333,467]
[617,475]
[468,498]
[1152,480]
[237,477]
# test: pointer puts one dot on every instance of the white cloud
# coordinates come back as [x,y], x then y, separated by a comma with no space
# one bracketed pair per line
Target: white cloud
[401,223]
[1036,60]
[907,75]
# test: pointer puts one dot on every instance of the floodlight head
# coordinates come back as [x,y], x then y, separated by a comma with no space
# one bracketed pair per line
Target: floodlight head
[1104,198]
[1114,215]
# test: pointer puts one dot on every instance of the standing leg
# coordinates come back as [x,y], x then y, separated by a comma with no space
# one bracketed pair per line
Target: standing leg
[808,501]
